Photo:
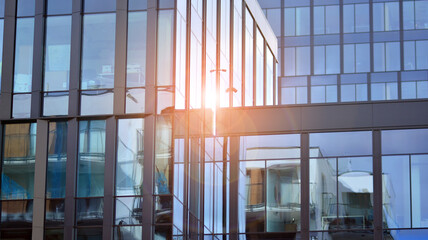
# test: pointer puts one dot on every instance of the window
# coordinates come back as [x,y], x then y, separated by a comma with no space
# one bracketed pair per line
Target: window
[57,65]
[297,61]
[270,78]
[415,55]
[384,86]
[414,14]
[323,89]
[274,18]
[260,49]
[326,19]
[261,183]
[341,181]
[353,87]
[294,90]
[386,16]
[297,21]
[249,59]
[403,162]
[356,18]
[59,7]
[386,56]
[414,85]
[357,58]
[327,59]
[99,5]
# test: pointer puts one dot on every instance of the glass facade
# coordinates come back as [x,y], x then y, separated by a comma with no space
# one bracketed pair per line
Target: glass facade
[164,119]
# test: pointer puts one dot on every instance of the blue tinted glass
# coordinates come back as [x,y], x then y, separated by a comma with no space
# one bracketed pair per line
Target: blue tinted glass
[378,17]
[57,158]
[290,61]
[422,54]
[290,22]
[409,55]
[319,21]
[419,195]
[302,21]
[274,18]
[25,8]
[340,144]
[99,5]
[332,59]
[89,211]
[332,22]
[348,19]
[90,180]
[361,92]
[55,103]
[348,92]
[98,50]
[303,65]
[404,141]
[362,57]
[57,53]
[165,47]
[135,100]
[319,59]
[19,151]
[396,191]
[163,172]
[405,234]
[137,4]
[128,211]
[318,94]
[2,8]
[393,56]
[379,56]
[130,156]
[378,91]
[362,18]
[392,17]
[408,15]
[136,57]
[23,55]
[408,90]
[421,18]
[349,58]
[259,69]
[422,89]
[59,6]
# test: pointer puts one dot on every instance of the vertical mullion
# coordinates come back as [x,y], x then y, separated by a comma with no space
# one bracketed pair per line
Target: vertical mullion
[109,173]
[71,177]
[120,56]
[150,121]
[38,55]
[304,187]
[8,66]
[75,54]
[40,178]
[377,184]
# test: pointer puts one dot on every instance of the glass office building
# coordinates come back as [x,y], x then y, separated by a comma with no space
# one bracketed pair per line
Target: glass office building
[213,119]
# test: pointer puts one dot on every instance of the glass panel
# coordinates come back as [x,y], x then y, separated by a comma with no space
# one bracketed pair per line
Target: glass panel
[303,65]
[289,21]
[25,8]
[57,53]
[135,100]
[348,18]
[340,144]
[362,57]
[421,8]
[128,232]
[137,4]
[128,211]
[409,14]
[364,235]
[362,18]
[19,151]
[165,47]
[59,7]
[163,209]
[163,152]
[165,100]
[392,17]
[332,59]
[98,50]
[249,61]
[355,193]
[289,61]
[379,56]
[90,180]
[332,22]
[269,147]
[99,5]
[55,103]
[16,214]
[378,91]
[163,232]
[396,191]
[319,21]
[254,199]
[393,56]
[57,158]
[302,21]
[259,69]
[2,9]
[422,89]
[422,54]
[283,196]
[54,212]
[23,71]
[419,195]
[408,90]
[89,211]
[404,234]
[54,234]
[378,17]
[349,58]
[96,102]
[130,157]
[89,233]
[21,106]
[136,56]
[319,61]
[409,55]
[323,194]
[404,141]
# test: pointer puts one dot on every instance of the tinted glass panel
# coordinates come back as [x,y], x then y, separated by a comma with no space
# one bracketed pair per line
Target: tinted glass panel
[90,180]
[21,106]
[23,55]
[98,49]
[19,150]
[404,141]
[55,104]
[54,212]
[25,8]
[419,207]
[99,5]
[96,102]
[57,53]
[128,232]
[16,214]
[59,6]
[89,211]
[57,157]
[136,57]
[135,100]
[165,47]
[128,211]
[340,144]
[130,156]
[137,4]
[89,233]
